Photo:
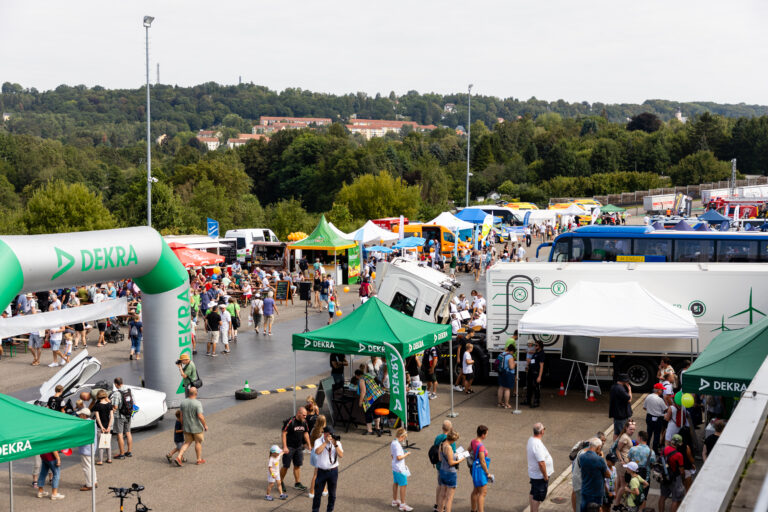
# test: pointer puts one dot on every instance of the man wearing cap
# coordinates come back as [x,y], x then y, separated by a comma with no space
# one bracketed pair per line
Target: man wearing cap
[655,408]
[85,456]
[593,471]
[633,491]
[674,489]
[188,372]
[620,404]
[327,450]
[212,323]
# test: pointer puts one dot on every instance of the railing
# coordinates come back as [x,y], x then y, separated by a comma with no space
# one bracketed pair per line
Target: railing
[694,191]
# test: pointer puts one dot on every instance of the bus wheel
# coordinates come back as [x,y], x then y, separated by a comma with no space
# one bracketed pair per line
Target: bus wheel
[641,373]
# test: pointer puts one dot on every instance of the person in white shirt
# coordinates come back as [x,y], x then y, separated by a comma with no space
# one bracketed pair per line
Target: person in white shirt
[400,471]
[479,319]
[257,311]
[540,467]
[463,305]
[467,368]
[455,324]
[328,451]
[225,327]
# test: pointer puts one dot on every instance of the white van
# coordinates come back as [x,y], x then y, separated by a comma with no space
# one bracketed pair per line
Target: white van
[246,237]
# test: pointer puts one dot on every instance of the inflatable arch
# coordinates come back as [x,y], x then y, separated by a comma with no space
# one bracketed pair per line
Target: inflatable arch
[44,262]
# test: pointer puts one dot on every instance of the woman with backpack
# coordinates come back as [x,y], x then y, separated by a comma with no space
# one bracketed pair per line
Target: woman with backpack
[447,474]
[506,371]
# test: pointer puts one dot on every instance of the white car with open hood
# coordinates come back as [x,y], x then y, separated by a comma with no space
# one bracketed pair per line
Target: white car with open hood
[149,405]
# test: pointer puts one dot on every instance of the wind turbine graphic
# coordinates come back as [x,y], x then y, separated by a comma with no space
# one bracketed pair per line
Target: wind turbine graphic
[749,310]
[722,327]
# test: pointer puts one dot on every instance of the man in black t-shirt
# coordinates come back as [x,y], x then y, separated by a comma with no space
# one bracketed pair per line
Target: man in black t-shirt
[295,434]
[711,440]
[534,373]
[338,362]
[212,322]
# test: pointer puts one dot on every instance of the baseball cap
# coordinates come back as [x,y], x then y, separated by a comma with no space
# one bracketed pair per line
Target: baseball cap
[632,466]
[677,439]
[328,429]
[84,412]
[623,377]
[212,304]
[275,449]
[658,385]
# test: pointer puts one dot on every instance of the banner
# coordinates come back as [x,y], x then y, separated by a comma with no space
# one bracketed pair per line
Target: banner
[213,228]
[353,264]
[396,369]
[23,324]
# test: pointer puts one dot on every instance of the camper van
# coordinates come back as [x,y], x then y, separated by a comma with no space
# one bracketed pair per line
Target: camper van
[246,237]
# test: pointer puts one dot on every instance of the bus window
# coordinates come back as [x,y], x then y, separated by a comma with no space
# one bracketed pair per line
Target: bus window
[240,242]
[448,237]
[578,249]
[409,234]
[694,250]
[653,247]
[763,251]
[403,304]
[606,249]
[560,251]
[737,251]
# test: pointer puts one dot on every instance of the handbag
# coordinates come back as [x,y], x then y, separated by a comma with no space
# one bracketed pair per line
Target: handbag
[105,441]
[198,382]
[479,478]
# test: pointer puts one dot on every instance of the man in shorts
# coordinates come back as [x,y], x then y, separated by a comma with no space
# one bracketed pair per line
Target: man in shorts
[122,423]
[429,372]
[36,339]
[540,467]
[674,490]
[194,426]
[295,437]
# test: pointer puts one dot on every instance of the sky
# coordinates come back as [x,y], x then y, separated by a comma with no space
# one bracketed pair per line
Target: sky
[617,51]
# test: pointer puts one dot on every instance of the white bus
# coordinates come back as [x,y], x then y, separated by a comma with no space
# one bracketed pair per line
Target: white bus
[246,237]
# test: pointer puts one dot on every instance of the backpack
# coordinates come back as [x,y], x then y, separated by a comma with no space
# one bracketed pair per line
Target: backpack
[134,332]
[612,450]
[434,454]
[662,470]
[126,406]
[499,365]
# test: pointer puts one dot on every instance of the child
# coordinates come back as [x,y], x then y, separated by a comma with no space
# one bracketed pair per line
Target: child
[331,308]
[610,482]
[632,491]
[68,341]
[273,468]
[178,438]
[399,469]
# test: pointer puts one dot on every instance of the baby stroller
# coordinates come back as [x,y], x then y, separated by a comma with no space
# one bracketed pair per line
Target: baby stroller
[112,333]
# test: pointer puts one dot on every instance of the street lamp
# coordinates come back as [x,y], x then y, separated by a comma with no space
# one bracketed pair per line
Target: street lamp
[148,23]
[469,133]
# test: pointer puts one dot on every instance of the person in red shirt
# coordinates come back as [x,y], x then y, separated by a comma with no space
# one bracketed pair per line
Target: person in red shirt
[674,490]
[51,462]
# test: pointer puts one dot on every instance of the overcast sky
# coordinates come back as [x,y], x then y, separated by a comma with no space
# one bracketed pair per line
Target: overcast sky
[610,51]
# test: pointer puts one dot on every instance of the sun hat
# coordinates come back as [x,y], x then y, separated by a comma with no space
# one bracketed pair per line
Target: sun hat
[275,449]
[632,466]
[84,412]
[184,357]
[677,439]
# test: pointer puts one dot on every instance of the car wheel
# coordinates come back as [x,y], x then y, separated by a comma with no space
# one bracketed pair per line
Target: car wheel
[241,394]
[641,374]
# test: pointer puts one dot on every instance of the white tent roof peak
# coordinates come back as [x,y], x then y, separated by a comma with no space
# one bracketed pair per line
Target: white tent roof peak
[452,222]
[370,232]
[623,309]
[338,231]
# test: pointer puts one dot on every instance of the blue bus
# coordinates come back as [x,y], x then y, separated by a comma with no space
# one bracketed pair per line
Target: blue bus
[643,243]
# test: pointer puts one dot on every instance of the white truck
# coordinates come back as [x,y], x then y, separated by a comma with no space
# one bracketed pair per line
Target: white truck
[246,237]
[721,296]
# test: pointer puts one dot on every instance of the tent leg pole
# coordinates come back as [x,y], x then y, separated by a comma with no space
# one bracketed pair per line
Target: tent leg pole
[451,414]
[10,480]
[93,471]
[294,383]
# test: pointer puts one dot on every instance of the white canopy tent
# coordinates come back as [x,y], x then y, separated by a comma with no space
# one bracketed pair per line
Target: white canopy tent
[338,232]
[451,222]
[624,309]
[573,209]
[538,216]
[370,233]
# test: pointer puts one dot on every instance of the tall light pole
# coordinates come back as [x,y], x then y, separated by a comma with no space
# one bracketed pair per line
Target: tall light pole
[469,133]
[148,23]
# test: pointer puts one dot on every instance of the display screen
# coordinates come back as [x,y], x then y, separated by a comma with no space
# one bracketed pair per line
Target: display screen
[582,349]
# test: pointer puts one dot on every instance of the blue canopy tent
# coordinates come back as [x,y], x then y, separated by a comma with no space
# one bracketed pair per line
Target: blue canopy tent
[702,226]
[378,248]
[657,225]
[683,226]
[410,243]
[713,217]
[474,215]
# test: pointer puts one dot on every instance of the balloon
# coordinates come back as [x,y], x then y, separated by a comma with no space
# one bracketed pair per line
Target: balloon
[346,289]
[679,398]
[216,270]
[373,275]
[687,400]
[338,312]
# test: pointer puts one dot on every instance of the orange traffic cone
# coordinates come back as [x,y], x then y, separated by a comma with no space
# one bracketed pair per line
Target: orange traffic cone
[562,389]
[591,396]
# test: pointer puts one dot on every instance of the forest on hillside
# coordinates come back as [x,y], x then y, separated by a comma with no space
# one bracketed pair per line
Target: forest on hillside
[61,173]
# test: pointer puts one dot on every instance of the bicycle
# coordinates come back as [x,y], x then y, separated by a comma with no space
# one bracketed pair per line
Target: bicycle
[124,492]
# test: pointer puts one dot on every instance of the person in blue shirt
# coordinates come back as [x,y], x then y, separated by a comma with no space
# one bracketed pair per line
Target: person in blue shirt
[593,472]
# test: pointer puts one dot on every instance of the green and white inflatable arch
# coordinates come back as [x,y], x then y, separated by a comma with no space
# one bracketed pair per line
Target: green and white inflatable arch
[45,262]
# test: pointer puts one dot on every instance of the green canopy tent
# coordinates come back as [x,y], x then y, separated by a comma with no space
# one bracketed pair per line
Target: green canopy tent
[729,363]
[323,238]
[28,430]
[609,208]
[376,329]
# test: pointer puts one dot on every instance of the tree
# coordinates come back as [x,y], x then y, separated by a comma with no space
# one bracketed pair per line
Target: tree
[374,196]
[58,208]
[700,167]
[287,216]
[646,122]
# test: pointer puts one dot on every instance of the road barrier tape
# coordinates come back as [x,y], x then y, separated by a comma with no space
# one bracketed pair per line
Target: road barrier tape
[284,390]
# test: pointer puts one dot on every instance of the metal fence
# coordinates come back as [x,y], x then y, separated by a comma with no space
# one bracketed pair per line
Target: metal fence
[636,197]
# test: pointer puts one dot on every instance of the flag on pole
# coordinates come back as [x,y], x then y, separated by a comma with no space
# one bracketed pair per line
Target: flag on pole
[213,228]
[396,370]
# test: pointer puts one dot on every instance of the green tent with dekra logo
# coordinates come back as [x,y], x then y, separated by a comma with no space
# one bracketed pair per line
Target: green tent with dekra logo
[729,363]
[375,329]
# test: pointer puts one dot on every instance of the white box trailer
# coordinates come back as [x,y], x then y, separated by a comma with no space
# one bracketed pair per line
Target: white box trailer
[659,203]
[749,192]
[721,296]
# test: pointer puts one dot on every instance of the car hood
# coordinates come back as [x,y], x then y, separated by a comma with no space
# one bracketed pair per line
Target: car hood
[74,374]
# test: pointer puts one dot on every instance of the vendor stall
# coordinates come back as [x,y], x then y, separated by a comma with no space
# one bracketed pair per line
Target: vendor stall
[324,238]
